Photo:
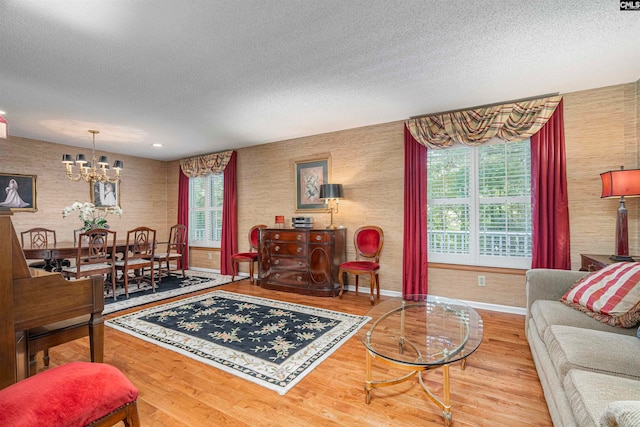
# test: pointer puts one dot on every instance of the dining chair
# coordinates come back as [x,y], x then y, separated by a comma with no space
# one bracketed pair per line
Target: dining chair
[141,244]
[96,252]
[40,238]
[368,242]
[251,257]
[176,247]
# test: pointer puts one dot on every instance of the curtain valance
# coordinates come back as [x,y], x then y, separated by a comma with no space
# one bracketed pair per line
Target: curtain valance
[510,122]
[205,164]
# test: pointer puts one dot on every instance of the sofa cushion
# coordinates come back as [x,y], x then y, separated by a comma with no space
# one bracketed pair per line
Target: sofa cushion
[546,313]
[610,295]
[590,393]
[624,413]
[570,348]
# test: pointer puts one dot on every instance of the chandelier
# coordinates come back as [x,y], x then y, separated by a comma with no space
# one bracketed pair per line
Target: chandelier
[94,170]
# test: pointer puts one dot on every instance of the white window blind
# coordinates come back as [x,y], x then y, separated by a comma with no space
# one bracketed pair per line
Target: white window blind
[479,205]
[205,210]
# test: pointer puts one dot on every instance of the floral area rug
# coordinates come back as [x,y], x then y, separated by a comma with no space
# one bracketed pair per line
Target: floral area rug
[171,286]
[271,343]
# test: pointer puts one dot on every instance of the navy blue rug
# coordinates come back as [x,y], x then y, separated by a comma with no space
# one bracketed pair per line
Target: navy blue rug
[271,343]
[171,286]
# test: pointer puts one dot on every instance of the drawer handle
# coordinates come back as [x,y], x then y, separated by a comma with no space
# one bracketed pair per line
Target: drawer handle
[299,263]
[277,236]
[318,237]
[276,262]
[299,237]
[299,278]
[277,275]
[299,249]
[277,248]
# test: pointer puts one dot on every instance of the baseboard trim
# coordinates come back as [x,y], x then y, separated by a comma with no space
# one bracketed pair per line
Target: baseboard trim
[475,304]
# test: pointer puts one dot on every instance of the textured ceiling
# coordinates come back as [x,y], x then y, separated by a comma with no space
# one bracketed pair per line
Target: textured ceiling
[201,76]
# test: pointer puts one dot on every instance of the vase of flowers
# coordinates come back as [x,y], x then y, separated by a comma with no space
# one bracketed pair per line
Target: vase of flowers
[91,216]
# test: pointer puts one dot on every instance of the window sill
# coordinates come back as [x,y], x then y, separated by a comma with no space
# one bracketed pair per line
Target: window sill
[478,268]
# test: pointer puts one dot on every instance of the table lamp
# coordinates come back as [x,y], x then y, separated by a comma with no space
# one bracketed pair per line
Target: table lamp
[331,192]
[621,183]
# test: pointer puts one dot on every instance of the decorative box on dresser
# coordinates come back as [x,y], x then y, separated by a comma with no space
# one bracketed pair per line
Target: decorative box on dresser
[304,261]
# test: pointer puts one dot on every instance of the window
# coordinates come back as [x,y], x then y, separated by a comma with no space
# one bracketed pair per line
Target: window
[479,205]
[205,210]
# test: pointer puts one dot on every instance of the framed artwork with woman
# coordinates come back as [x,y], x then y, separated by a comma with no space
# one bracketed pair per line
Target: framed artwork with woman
[18,192]
[105,194]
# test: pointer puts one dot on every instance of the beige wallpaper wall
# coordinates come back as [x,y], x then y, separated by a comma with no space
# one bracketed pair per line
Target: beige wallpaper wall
[143,189]
[601,132]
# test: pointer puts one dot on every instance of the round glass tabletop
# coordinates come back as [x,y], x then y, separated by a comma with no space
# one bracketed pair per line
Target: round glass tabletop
[422,330]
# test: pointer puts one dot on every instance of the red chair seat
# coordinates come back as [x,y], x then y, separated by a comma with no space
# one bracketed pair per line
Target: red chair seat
[74,394]
[249,256]
[360,265]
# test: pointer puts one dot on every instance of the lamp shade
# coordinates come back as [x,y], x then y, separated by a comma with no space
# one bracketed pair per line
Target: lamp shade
[617,183]
[331,191]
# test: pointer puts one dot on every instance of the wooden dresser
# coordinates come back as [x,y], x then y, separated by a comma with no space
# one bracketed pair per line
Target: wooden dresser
[305,261]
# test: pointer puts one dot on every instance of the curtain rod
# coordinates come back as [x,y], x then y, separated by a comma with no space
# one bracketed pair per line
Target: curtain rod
[531,98]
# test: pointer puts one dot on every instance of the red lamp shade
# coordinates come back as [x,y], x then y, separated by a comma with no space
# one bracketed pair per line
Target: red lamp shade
[3,128]
[621,183]
[624,182]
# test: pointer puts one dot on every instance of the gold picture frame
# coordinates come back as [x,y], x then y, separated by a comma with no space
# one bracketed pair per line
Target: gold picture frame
[308,176]
[18,192]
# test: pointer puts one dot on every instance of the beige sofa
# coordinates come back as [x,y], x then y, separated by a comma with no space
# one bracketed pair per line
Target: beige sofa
[589,371]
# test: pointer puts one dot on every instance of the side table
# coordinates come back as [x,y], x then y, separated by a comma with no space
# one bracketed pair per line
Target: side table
[596,262]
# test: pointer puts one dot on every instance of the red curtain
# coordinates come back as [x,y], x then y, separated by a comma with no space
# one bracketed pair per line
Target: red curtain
[183,210]
[549,199]
[414,262]
[229,245]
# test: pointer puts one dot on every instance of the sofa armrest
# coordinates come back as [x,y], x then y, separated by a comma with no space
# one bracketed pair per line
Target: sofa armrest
[548,284]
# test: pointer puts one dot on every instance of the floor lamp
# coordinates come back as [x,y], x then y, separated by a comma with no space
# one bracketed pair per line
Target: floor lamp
[621,183]
[331,192]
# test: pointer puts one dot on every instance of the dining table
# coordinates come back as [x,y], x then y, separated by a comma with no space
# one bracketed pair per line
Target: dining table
[54,254]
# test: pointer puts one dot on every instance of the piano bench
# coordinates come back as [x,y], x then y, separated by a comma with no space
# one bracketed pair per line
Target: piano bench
[74,394]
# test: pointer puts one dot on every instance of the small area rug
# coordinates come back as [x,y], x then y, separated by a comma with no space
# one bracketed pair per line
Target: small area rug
[271,343]
[171,286]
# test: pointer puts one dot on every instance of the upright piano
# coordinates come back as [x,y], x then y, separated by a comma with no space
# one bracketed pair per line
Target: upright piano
[32,299]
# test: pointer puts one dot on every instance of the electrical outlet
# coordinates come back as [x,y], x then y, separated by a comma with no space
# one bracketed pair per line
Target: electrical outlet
[209,255]
[481,281]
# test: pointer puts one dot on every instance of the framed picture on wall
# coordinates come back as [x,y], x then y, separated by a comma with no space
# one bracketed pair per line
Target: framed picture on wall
[105,194]
[18,192]
[309,175]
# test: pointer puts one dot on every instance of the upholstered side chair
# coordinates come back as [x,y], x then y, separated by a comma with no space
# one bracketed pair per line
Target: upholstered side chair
[368,242]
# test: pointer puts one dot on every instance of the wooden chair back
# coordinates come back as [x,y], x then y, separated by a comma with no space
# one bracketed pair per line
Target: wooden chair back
[141,243]
[177,239]
[96,247]
[38,237]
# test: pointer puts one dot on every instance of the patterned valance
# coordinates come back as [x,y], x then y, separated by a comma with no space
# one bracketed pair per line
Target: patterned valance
[205,164]
[510,122]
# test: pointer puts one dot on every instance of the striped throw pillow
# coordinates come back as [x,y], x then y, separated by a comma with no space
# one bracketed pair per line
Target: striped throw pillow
[610,295]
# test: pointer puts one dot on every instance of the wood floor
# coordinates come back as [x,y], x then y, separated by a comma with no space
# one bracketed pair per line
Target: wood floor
[499,387]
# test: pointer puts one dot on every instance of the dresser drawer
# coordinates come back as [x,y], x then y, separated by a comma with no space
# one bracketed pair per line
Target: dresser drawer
[289,277]
[289,262]
[319,237]
[285,248]
[285,236]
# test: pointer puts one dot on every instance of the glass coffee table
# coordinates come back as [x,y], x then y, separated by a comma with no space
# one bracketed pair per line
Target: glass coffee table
[419,333]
